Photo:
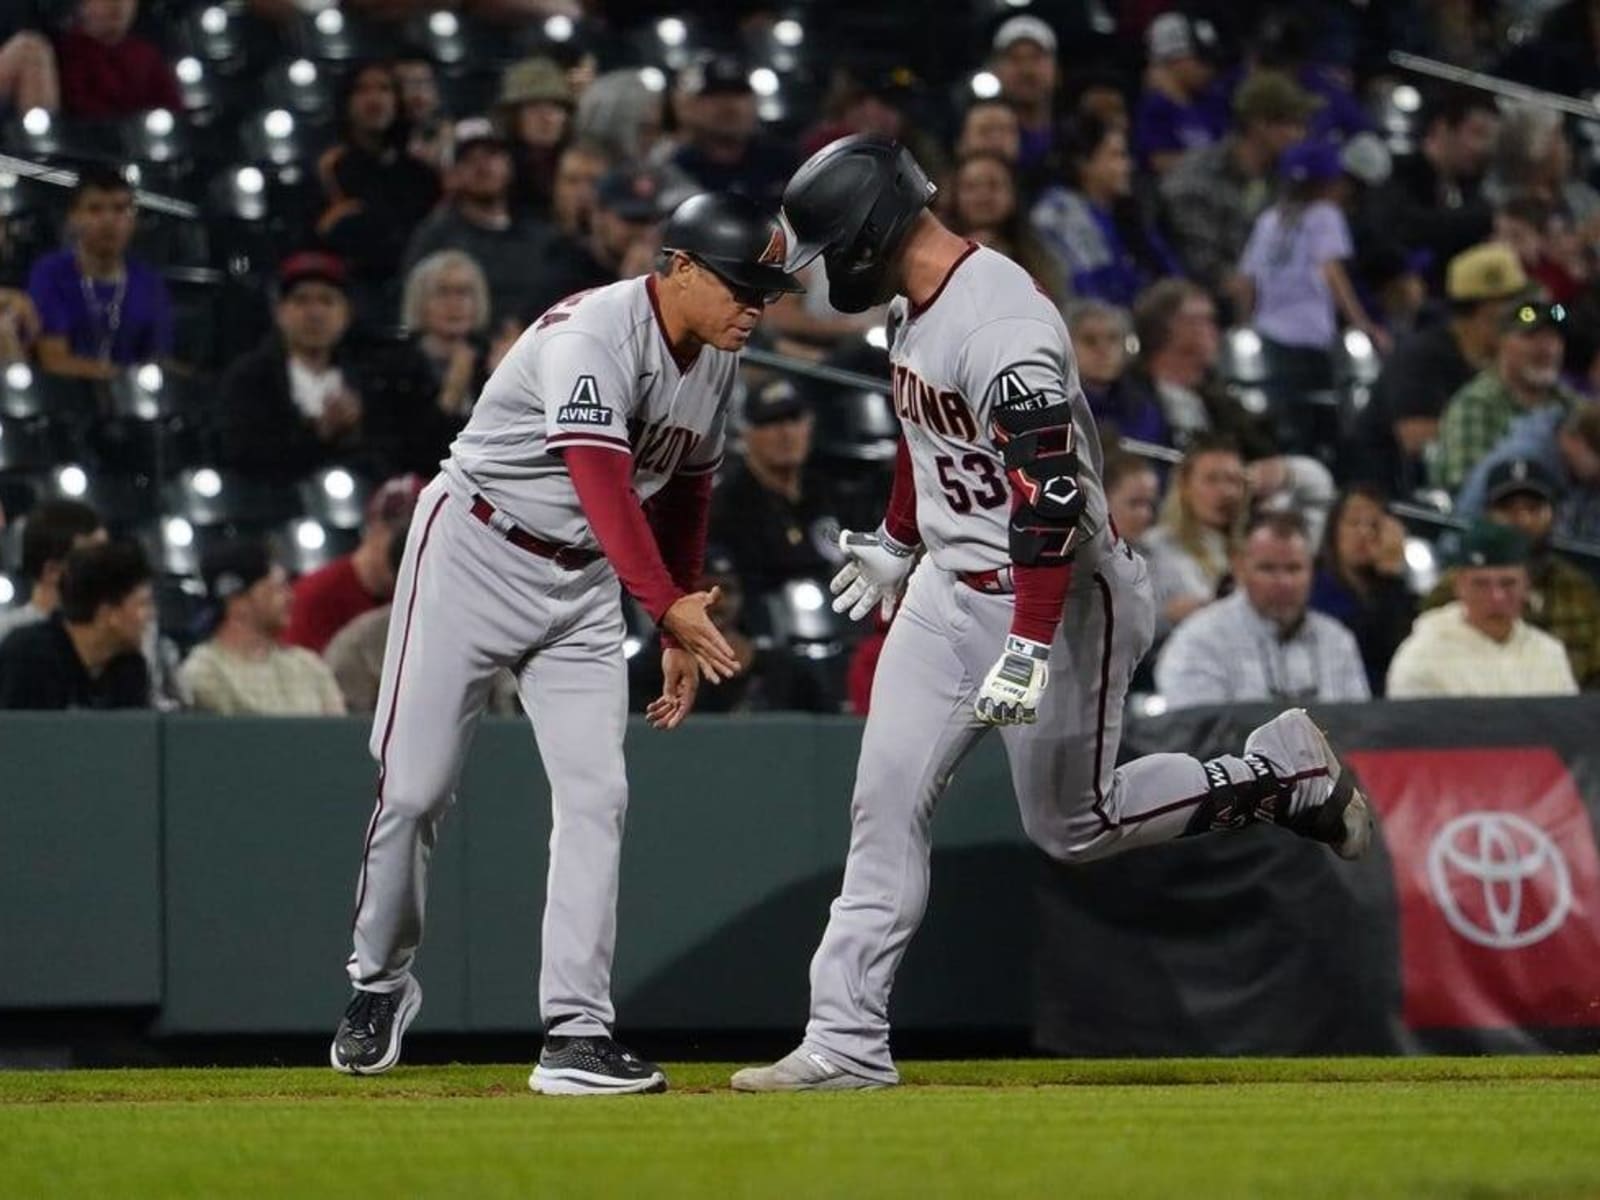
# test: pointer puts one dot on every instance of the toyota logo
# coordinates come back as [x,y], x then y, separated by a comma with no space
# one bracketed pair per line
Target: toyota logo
[1499,879]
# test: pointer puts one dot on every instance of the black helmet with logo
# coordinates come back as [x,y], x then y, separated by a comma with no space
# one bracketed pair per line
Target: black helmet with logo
[733,237]
[853,202]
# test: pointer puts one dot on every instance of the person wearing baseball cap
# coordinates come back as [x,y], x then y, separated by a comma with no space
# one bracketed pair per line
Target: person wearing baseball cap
[1430,366]
[293,404]
[1023,58]
[242,668]
[480,220]
[1524,378]
[1215,193]
[723,148]
[1171,117]
[1479,644]
[329,598]
[776,518]
[1294,271]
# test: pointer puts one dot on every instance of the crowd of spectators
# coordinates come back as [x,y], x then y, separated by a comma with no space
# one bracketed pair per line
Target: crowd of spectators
[1288,311]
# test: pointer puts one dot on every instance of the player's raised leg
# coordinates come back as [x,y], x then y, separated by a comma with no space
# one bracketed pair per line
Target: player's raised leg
[1077,805]
[435,684]
[921,726]
[575,692]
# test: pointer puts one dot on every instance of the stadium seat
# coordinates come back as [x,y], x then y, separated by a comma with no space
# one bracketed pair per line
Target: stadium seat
[121,500]
[336,497]
[856,426]
[1242,358]
[208,497]
[302,87]
[175,545]
[183,610]
[24,445]
[799,613]
[11,543]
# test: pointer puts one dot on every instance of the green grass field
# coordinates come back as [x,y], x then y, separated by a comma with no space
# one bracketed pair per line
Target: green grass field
[1422,1128]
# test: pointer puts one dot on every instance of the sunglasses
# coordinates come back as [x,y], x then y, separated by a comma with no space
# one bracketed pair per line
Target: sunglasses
[1537,314]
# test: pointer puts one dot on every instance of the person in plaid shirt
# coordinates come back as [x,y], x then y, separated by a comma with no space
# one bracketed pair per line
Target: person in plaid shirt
[1562,599]
[1215,193]
[1525,377]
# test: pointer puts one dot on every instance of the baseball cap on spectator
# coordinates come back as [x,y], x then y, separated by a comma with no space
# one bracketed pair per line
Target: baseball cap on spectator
[477,131]
[1025,29]
[1313,161]
[633,193]
[1271,97]
[1490,271]
[716,74]
[1516,476]
[533,81]
[894,85]
[311,266]
[1366,158]
[394,502]
[1383,263]
[1173,35]
[231,568]
[1487,544]
[778,401]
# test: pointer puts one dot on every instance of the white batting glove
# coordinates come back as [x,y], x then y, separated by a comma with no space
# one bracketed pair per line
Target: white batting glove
[1011,691]
[874,572]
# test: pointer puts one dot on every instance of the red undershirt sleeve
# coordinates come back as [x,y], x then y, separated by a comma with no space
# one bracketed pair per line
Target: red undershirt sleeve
[680,515]
[1040,597]
[603,480]
[900,520]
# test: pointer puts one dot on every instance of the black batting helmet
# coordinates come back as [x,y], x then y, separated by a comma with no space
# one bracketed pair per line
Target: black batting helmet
[733,237]
[853,202]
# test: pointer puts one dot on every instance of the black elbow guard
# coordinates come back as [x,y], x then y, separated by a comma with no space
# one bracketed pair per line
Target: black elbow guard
[1039,446]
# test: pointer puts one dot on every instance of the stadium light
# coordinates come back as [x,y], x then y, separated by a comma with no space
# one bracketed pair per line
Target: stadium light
[36,122]
[330,22]
[672,31]
[207,483]
[338,484]
[179,532]
[788,32]
[73,481]
[764,81]
[653,78]
[985,85]
[444,24]
[559,28]
[310,535]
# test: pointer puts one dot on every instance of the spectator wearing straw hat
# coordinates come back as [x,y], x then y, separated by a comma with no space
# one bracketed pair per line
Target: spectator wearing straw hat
[534,111]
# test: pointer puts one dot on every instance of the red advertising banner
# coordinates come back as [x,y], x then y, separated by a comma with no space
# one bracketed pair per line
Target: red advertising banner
[1498,883]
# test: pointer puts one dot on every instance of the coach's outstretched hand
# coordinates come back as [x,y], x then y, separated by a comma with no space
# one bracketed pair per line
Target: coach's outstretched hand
[875,573]
[689,621]
[680,681]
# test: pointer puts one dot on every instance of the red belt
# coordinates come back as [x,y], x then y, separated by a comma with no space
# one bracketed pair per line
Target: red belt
[996,583]
[570,557]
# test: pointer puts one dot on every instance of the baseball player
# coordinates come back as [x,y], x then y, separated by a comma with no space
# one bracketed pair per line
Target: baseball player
[588,458]
[1026,612]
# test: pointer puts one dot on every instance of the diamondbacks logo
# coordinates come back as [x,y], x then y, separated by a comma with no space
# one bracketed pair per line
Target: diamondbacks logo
[583,407]
[777,249]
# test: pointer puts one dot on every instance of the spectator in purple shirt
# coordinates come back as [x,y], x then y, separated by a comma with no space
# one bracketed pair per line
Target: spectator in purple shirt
[1100,341]
[1172,116]
[99,311]
[1024,61]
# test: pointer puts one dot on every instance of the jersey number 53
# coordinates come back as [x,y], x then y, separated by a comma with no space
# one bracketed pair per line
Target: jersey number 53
[962,492]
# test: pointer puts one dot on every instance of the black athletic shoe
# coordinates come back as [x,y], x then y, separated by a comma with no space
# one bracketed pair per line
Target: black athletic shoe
[368,1040]
[592,1066]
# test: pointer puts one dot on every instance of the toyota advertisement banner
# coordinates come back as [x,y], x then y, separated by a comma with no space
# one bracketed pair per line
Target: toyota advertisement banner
[1473,926]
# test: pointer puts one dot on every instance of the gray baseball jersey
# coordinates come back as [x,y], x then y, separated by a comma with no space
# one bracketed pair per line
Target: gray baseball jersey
[988,335]
[595,370]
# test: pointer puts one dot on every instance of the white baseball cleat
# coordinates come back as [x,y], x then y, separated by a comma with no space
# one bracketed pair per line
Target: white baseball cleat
[802,1071]
[1319,799]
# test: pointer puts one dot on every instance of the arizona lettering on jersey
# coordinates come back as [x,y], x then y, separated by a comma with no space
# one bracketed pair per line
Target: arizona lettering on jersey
[990,339]
[595,370]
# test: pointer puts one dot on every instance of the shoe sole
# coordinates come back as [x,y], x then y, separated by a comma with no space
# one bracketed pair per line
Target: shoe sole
[561,1082]
[1352,801]
[402,1021]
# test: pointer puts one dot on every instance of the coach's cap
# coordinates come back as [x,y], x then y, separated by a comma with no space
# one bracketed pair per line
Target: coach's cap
[1518,476]
[716,75]
[777,401]
[1271,97]
[1488,544]
[311,266]
[394,502]
[1490,271]
[1025,29]
[234,567]
[633,193]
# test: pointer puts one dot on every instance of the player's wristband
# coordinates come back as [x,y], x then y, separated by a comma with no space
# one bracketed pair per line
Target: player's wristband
[1037,651]
[893,545]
